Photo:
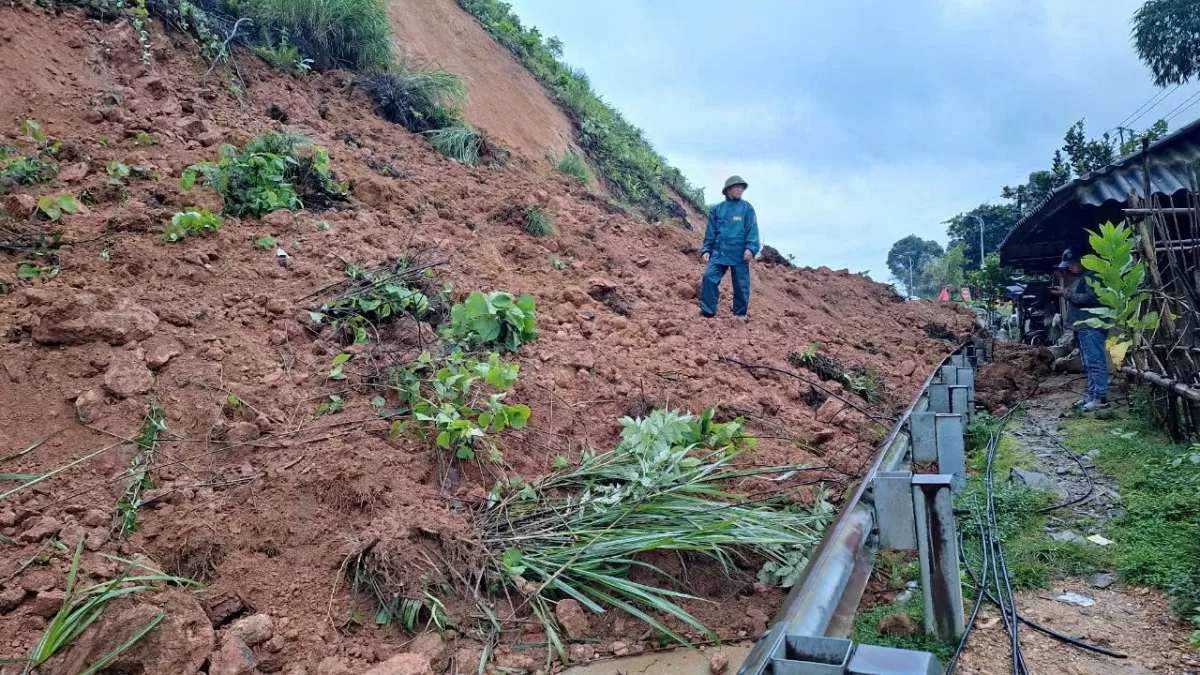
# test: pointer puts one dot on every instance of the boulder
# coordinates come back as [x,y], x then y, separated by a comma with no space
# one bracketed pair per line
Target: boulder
[178,645]
[573,618]
[253,630]
[79,322]
[128,378]
[233,658]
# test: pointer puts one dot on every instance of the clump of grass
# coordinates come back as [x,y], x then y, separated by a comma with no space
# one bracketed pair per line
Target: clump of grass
[81,608]
[866,381]
[574,165]
[866,629]
[578,532]
[419,100]
[1158,537]
[539,222]
[459,143]
[347,34]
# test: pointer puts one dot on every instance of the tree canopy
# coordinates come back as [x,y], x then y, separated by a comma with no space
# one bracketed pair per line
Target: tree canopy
[915,251]
[1166,35]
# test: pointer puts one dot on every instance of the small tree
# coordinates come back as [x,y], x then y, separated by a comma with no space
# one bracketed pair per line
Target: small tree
[990,281]
[1118,286]
[946,270]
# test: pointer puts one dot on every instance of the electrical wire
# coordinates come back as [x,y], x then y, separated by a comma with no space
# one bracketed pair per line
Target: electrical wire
[1082,467]
[1161,95]
[1007,603]
[1187,103]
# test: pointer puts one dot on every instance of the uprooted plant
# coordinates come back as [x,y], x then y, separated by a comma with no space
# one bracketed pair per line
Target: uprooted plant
[371,297]
[272,172]
[448,405]
[578,532]
[492,321]
[81,608]
[866,381]
[138,471]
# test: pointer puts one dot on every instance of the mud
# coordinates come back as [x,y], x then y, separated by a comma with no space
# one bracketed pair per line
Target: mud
[255,492]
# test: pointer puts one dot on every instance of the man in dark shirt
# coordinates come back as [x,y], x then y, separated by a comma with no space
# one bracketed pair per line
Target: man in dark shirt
[730,243]
[1080,296]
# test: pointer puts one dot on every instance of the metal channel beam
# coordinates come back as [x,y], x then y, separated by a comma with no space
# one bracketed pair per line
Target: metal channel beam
[826,584]
[937,548]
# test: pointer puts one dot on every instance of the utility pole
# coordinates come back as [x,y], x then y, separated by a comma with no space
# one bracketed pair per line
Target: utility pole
[980,240]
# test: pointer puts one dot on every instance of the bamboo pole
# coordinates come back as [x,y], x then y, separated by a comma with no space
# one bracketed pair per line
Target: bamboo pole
[1163,382]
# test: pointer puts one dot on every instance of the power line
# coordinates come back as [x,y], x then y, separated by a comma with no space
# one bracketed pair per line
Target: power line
[1179,109]
[1134,116]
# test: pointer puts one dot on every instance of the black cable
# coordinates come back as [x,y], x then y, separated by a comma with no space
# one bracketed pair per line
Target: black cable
[980,590]
[1007,611]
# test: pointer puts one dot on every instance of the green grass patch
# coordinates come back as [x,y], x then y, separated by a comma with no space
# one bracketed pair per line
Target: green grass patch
[418,100]
[348,34]
[866,630]
[539,222]
[574,165]
[1158,537]
[459,143]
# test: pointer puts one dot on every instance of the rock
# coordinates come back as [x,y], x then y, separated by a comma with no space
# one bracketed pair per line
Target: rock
[899,623]
[718,663]
[583,360]
[402,664]
[1103,580]
[39,529]
[1068,536]
[46,603]
[20,204]
[155,86]
[1075,599]
[619,648]
[829,410]
[191,127]
[78,323]
[158,355]
[332,665]
[179,644]
[253,630]
[209,138]
[128,378]
[581,653]
[95,518]
[74,172]
[233,658]
[1035,480]
[11,598]
[242,432]
[573,617]
[641,261]
[87,402]
[907,368]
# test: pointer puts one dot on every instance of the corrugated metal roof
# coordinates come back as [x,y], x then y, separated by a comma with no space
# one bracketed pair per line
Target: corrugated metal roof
[1173,165]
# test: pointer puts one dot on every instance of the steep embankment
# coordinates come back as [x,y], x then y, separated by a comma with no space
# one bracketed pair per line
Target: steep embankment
[251,491]
[503,99]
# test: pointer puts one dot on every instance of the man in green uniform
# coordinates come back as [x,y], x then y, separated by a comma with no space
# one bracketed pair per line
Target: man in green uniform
[730,243]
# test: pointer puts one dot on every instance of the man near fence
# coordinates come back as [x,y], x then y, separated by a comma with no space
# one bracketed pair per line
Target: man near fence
[1080,296]
[730,243]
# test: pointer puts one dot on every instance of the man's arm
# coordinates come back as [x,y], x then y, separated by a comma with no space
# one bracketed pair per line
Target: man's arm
[752,243]
[710,233]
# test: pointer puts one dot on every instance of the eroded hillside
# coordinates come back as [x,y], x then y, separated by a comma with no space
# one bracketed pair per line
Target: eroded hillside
[269,476]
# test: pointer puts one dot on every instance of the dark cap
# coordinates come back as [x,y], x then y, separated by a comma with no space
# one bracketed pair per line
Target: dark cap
[1069,256]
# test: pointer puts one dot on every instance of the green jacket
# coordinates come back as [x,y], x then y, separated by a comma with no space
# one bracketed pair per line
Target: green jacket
[732,228]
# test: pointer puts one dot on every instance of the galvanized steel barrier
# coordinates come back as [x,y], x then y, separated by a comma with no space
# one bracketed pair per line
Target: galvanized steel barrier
[890,509]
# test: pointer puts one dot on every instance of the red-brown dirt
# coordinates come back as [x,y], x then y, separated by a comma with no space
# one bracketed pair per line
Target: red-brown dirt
[503,98]
[257,497]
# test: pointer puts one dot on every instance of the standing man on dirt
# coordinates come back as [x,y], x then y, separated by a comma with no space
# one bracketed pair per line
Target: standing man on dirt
[730,243]
[1080,296]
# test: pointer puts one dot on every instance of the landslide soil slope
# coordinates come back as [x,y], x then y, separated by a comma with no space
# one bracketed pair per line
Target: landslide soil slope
[254,495]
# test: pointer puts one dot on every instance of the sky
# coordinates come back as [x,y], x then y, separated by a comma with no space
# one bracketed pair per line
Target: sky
[857,123]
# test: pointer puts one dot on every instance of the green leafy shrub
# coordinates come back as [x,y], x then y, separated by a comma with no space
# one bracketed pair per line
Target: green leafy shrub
[191,223]
[627,161]
[52,208]
[419,100]
[346,34]
[374,297]
[273,172]
[285,57]
[1119,285]
[574,165]
[444,404]
[17,168]
[539,222]
[492,321]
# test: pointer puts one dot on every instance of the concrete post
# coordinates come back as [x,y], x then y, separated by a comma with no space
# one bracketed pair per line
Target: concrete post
[937,548]
[951,450]
[894,511]
[960,398]
[939,398]
[958,360]
[924,437]
[966,378]
[948,374]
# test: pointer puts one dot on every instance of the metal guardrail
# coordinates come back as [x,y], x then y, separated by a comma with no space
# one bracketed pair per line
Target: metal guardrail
[822,604]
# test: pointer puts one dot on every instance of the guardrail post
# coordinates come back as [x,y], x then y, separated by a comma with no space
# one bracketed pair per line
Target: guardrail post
[966,378]
[937,548]
[958,360]
[924,437]
[939,398]
[894,511]
[960,400]
[951,453]
[948,374]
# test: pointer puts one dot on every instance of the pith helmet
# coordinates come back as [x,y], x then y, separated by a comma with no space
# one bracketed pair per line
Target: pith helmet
[733,180]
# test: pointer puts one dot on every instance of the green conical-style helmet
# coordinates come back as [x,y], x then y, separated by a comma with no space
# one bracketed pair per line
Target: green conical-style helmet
[733,180]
